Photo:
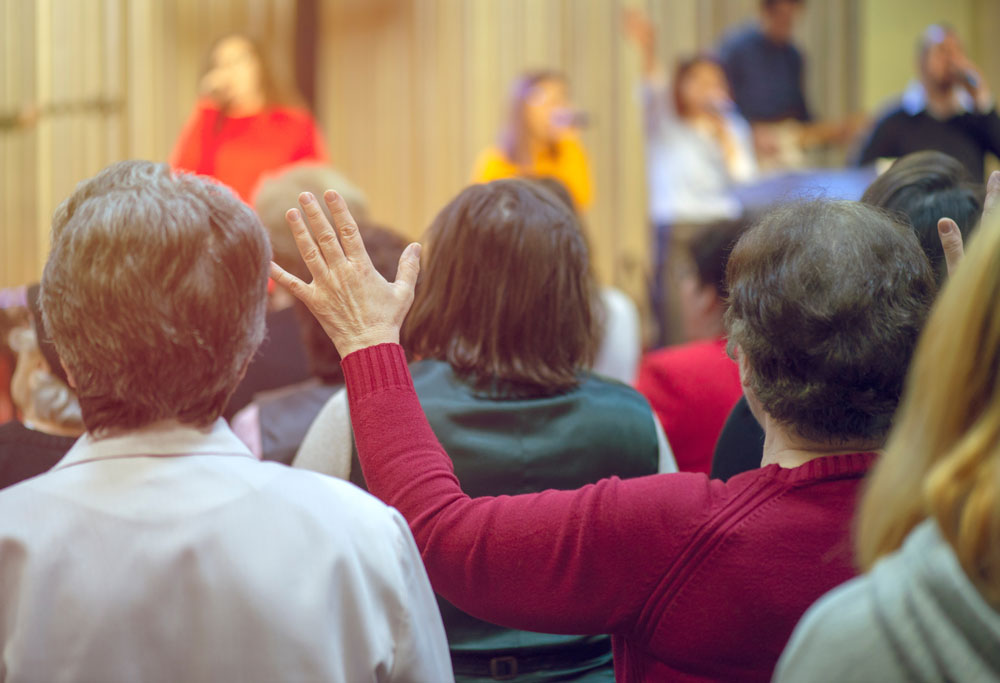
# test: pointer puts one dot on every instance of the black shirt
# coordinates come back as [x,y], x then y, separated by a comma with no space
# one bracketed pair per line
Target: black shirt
[25,453]
[967,137]
[765,77]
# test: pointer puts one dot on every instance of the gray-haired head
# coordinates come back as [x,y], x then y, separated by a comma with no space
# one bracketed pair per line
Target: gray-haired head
[154,294]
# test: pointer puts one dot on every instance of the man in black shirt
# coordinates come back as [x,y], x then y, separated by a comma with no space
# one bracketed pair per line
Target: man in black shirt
[950,109]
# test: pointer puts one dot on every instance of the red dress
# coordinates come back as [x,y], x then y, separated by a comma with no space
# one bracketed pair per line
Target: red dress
[239,150]
[692,388]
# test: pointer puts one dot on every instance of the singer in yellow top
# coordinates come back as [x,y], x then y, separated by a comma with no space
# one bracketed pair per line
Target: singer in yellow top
[540,139]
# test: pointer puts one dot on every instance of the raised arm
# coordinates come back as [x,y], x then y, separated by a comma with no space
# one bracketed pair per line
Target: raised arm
[579,561]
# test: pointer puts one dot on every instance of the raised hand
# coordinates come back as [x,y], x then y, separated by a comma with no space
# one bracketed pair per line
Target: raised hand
[355,305]
[951,237]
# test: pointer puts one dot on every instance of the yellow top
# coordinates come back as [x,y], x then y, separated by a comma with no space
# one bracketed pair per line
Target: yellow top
[569,166]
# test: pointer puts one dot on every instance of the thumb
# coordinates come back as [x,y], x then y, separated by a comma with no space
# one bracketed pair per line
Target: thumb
[408,268]
[951,243]
[992,202]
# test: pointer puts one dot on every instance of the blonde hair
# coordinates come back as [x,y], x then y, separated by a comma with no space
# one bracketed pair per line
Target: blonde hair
[943,456]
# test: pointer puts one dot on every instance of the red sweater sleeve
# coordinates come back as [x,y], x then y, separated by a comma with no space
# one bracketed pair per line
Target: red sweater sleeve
[186,154]
[584,561]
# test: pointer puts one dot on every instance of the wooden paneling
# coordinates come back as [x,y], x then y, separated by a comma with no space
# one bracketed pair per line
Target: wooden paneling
[408,92]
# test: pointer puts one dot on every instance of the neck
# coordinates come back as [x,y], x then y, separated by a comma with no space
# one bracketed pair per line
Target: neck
[940,98]
[248,107]
[784,448]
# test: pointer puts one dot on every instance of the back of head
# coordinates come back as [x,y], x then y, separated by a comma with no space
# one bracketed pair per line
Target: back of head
[943,458]
[923,187]
[826,302]
[506,294]
[154,294]
[279,192]
[710,247]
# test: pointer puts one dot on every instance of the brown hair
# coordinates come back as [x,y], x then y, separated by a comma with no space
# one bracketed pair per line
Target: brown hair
[943,457]
[826,302]
[514,139]
[154,294]
[506,294]
[273,81]
[683,69]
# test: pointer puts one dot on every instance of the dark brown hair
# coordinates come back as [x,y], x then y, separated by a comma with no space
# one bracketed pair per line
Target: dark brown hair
[826,300]
[921,188]
[710,247]
[154,294]
[506,294]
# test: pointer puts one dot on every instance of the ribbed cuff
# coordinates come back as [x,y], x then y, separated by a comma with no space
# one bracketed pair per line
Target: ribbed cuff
[375,368]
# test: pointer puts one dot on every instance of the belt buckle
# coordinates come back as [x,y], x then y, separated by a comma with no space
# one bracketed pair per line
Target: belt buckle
[503,668]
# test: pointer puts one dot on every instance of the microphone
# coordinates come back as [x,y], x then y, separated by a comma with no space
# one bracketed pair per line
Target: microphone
[570,118]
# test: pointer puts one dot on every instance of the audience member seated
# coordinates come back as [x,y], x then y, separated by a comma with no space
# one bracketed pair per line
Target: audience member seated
[692,387]
[950,109]
[540,139]
[274,424]
[926,610]
[694,578]
[924,187]
[283,357]
[159,548]
[620,343]
[920,189]
[50,420]
[504,339]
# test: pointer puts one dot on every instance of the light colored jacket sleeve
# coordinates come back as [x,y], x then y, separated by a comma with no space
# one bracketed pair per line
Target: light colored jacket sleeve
[839,641]
[668,463]
[329,444]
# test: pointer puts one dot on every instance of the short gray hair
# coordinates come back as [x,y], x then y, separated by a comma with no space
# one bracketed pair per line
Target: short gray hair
[154,294]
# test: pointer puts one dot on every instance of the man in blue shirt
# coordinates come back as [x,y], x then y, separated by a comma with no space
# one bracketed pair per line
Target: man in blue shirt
[765,68]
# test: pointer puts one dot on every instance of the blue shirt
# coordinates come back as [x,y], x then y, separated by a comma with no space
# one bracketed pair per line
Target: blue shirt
[765,77]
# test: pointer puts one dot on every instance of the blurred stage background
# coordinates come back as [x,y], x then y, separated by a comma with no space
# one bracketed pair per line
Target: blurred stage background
[406,91]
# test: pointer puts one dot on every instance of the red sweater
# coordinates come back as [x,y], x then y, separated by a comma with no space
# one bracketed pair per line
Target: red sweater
[239,150]
[695,579]
[692,388]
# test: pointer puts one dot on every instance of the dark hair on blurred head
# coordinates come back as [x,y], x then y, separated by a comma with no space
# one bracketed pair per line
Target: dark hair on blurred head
[710,247]
[683,70]
[768,4]
[514,141]
[923,187]
[505,295]
[826,301]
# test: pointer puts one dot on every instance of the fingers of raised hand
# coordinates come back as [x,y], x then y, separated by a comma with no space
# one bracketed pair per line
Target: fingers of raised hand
[992,202]
[283,278]
[951,243]
[326,237]
[347,227]
[304,241]
[408,269]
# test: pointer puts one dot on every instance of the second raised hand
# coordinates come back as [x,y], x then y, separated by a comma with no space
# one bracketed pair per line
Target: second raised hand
[356,306]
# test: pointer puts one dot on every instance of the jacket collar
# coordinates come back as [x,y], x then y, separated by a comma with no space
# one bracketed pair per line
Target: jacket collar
[162,439]
[914,99]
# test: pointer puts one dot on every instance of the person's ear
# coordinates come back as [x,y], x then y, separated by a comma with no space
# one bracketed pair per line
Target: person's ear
[70,379]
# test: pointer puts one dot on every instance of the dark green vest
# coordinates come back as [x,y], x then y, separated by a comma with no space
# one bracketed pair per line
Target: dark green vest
[501,445]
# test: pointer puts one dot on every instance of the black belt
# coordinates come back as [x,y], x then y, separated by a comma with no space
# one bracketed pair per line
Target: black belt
[505,665]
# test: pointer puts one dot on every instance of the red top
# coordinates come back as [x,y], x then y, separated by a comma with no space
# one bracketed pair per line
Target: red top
[692,388]
[239,150]
[695,579]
